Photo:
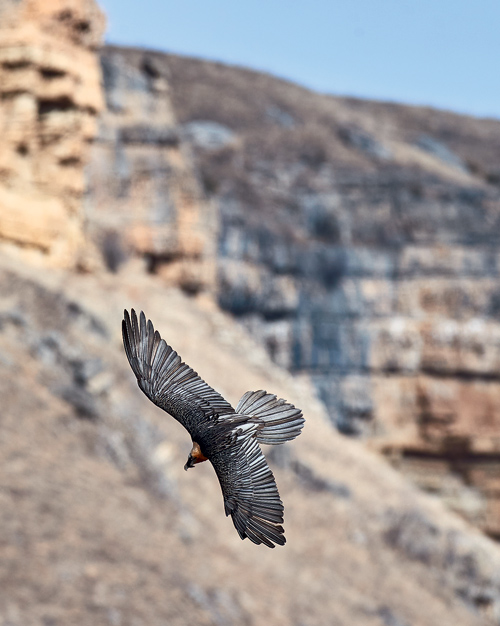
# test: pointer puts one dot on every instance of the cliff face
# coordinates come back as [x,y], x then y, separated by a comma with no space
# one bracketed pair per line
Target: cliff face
[142,192]
[362,243]
[359,241]
[50,96]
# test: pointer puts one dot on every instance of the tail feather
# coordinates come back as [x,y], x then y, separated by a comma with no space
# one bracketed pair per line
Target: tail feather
[278,420]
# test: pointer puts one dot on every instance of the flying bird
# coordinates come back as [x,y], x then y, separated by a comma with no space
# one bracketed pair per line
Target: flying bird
[229,438]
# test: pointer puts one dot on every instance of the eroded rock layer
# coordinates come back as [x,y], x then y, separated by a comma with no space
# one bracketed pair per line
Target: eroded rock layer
[143,194]
[50,96]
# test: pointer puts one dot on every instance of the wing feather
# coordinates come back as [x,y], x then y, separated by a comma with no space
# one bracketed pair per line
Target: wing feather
[167,381]
[250,493]
[279,420]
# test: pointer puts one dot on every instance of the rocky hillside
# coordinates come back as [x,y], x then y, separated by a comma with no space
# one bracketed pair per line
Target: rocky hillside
[99,523]
[358,241]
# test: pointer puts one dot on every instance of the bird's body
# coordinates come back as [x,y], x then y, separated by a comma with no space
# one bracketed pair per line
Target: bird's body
[229,438]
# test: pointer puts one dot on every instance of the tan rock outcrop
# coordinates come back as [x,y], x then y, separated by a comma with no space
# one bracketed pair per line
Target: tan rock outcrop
[141,180]
[50,96]
[435,381]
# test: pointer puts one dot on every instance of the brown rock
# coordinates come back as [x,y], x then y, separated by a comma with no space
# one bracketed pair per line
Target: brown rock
[50,95]
[141,176]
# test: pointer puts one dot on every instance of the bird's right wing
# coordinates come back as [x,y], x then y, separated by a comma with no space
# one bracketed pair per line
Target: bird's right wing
[165,379]
[250,493]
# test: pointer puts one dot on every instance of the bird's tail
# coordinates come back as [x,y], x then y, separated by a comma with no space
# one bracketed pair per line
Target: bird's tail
[278,420]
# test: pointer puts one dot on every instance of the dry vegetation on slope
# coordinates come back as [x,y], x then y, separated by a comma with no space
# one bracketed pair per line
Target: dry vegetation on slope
[100,524]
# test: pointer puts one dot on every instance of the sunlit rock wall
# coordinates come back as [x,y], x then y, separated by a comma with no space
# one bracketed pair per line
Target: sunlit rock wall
[50,96]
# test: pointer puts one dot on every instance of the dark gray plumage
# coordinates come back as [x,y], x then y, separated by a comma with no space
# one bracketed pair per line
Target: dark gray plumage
[228,438]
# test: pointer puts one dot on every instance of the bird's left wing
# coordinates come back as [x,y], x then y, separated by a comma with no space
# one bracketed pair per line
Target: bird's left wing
[165,379]
[250,493]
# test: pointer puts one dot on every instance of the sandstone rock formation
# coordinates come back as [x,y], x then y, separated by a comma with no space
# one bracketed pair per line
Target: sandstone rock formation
[50,96]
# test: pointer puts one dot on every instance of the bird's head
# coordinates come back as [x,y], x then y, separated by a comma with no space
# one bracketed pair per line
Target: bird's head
[195,456]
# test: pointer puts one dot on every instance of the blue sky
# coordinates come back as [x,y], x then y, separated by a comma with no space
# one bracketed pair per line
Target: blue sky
[443,53]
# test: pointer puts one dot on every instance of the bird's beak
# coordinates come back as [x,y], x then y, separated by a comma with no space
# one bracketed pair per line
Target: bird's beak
[190,463]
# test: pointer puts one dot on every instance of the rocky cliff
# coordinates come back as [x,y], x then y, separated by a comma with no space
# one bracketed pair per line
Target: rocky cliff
[361,242]
[143,194]
[50,97]
[358,241]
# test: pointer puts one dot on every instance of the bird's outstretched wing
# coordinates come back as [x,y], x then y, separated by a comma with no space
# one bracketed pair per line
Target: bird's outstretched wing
[165,379]
[250,493]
